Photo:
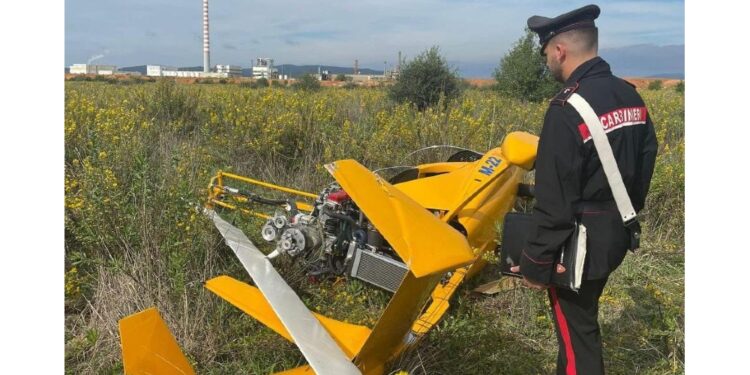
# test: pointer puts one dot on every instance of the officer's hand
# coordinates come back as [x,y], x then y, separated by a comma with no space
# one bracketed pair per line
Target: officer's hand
[532,284]
[529,283]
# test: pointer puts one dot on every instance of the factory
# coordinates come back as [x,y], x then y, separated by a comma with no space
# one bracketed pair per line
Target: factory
[93,69]
[229,70]
[222,71]
[263,68]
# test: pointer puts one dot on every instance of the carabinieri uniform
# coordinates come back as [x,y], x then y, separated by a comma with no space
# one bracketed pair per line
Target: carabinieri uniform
[571,183]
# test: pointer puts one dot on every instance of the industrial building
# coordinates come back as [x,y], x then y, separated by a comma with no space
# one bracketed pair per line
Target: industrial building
[93,69]
[263,68]
[168,71]
[156,70]
[230,70]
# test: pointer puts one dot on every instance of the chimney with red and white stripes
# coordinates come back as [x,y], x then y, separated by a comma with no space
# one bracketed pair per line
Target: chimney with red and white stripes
[206,53]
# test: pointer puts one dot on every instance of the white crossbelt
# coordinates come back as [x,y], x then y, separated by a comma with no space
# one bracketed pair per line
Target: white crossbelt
[604,149]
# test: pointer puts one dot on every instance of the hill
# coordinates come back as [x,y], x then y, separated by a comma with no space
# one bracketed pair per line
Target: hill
[647,60]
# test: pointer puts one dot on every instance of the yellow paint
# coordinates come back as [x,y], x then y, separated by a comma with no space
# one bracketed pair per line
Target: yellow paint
[388,337]
[269,185]
[434,168]
[423,242]
[476,197]
[302,370]
[472,195]
[350,337]
[519,148]
[149,348]
[217,195]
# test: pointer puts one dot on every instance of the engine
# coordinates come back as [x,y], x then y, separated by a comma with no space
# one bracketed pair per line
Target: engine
[338,239]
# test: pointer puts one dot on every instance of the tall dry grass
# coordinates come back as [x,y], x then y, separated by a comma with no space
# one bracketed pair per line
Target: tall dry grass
[137,162]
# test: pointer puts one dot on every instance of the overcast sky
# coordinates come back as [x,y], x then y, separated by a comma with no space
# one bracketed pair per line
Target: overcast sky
[470,33]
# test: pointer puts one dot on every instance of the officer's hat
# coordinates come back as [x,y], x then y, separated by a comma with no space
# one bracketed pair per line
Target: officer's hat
[547,28]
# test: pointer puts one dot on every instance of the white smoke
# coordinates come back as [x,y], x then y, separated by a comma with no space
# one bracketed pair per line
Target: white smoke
[95,57]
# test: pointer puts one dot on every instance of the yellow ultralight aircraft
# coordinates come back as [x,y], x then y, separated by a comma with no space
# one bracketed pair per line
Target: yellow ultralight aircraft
[419,234]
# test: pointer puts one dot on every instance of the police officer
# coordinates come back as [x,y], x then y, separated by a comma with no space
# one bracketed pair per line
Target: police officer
[570,181]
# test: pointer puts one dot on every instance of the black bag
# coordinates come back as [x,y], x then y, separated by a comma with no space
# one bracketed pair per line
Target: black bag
[634,229]
[572,257]
[516,229]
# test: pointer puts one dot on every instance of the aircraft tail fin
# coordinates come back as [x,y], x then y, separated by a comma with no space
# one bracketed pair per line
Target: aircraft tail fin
[148,346]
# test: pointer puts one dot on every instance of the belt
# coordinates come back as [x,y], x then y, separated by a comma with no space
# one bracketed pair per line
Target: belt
[596,206]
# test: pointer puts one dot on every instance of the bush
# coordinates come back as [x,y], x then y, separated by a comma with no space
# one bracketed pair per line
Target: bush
[130,81]
[81,77]
[680,87]
[262,82]
[277,83]
[307,82]
[425,80]
[655,85]
[523,72]
[341,77]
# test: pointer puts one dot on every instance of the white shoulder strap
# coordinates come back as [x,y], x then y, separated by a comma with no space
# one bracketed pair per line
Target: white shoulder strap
[604,149]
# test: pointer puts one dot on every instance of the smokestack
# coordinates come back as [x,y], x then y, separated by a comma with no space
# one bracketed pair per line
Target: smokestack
[356,66]
[398,69]
[206,53]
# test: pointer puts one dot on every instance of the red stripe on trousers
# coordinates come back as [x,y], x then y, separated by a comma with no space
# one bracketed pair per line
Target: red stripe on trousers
[570,369]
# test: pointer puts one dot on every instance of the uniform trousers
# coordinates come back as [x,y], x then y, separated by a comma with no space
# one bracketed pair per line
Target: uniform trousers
[577,326]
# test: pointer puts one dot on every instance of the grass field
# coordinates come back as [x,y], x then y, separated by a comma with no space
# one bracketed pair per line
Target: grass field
[138,158]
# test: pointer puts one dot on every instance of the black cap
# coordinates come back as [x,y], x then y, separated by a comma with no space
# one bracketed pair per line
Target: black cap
[547,28]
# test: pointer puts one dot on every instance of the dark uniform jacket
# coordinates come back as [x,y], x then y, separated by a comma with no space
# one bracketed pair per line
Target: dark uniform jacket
[570,180]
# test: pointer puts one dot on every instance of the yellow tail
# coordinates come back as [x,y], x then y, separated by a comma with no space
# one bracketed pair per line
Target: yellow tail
[149,348]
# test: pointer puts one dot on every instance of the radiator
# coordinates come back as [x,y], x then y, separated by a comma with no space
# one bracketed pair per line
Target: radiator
[378,270]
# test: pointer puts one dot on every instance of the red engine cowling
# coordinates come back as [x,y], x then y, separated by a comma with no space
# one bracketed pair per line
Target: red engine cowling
[337,196]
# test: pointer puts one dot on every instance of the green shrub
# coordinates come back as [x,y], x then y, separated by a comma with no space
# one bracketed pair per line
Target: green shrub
[680,87]
[262,82]
[81,77]
[425,80]
[655,85]
[341,77]
[307,82]
[523,72]
[131,81]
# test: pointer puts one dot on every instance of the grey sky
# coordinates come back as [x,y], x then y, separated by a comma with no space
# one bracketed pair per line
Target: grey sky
[335,32]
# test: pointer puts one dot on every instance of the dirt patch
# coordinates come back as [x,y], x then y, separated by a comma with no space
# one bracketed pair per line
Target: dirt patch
[642,83]
[480,82]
